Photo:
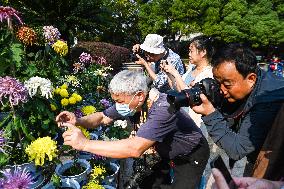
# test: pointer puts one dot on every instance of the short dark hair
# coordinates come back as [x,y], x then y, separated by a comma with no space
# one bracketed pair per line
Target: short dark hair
[242,56]
[203,42]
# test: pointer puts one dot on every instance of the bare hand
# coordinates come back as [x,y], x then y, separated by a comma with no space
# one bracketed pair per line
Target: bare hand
[74,137]
[205,108]
[136,48]
[66,117]
[140,60]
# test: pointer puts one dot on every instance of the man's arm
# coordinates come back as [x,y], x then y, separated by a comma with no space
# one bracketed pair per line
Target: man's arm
[131,147]
[125,148]
[93,120]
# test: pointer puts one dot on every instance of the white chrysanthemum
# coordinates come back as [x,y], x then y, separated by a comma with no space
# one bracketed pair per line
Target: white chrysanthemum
[44,85]
[120,123]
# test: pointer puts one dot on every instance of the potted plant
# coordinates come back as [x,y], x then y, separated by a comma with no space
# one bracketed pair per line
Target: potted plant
[77,170]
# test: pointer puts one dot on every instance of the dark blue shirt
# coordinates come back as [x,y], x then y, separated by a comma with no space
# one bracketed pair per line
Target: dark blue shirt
[175,133]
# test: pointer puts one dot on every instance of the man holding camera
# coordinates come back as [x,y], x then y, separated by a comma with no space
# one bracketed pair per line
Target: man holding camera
[252,100]
[153,50]
[174,135]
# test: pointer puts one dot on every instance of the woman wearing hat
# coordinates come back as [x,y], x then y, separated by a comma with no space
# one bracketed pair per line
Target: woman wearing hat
[154,52]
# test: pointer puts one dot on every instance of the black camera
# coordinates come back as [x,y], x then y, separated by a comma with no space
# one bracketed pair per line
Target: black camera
[191,97]
[133,56]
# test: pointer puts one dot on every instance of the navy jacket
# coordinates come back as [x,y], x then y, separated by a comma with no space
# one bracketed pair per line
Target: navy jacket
[244,134]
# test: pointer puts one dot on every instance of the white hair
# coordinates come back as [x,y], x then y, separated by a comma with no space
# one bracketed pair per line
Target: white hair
[128,82]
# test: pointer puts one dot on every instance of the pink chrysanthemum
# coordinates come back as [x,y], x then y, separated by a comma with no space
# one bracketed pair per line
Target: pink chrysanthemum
[12,89]
[6,13]
[85,58]
[51,34]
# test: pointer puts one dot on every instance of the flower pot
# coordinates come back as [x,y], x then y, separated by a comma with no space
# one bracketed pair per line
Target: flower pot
[112,179]
[37,178]
[81,178]
[108,187]
[65,183]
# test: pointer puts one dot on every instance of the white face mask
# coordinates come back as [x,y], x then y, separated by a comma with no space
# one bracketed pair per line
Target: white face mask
[124,110]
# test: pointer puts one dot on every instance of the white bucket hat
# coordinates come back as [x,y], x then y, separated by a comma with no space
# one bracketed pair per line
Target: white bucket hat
[153,43]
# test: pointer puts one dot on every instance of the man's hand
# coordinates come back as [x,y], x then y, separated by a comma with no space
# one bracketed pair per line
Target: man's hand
[205,108]
[74,137]
[136,48]
[140,60]
[66,117]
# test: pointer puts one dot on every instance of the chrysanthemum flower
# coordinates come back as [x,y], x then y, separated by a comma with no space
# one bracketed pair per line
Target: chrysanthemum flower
[6,13]
[64,86]
[93,185]
[64,93]
[105,103]
[85,58]
[87,110]
[51,34]
[57,90]
[78,113]
[60,47]
[77,97]
[41,148]
[98,172]
[72,100]
[78,67]
[101,60]
[64,102]
[16,179]
[43,84]
[14,90]
[27,35]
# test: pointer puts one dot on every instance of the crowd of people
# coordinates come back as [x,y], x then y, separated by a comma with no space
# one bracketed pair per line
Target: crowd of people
[239,123]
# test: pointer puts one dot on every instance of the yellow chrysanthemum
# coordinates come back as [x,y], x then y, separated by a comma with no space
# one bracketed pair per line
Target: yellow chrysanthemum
[98,172]
[64,93]
[64,86]
[40,148]
[85,132]
[57,90]
[78,97]
[60,47]
[64,102]
[93,185]
[53,107]
[87,110]
[72,100]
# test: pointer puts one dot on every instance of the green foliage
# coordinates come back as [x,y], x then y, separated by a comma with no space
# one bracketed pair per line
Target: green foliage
[11,53]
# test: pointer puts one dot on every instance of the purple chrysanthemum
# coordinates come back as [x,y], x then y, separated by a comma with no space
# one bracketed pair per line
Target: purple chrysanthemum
[6,13]
[85,58]
[105,103]
[51,34]
[13,89]
[78,113]
[20,179]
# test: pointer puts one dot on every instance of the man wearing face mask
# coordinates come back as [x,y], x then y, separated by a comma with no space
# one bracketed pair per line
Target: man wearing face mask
[173,134]
[155,52]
